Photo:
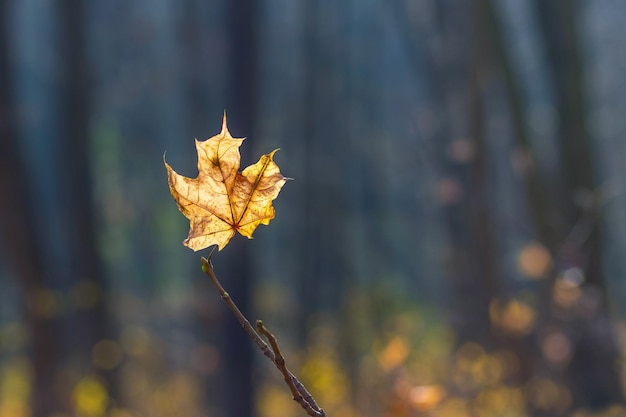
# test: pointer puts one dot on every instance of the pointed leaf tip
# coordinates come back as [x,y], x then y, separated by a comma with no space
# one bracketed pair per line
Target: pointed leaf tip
[224,126]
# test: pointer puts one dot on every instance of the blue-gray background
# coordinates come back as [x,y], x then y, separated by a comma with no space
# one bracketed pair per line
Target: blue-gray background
[452,244]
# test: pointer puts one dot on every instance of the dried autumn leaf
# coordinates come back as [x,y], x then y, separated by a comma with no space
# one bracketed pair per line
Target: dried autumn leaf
[222,200]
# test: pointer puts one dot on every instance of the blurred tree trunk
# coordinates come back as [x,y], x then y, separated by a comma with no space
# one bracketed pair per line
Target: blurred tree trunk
[197,59]
[86,322]
[453,70]
[491,63]
[78,202]
[56,340]
[474,266]
[241,102]
[476,279]
[593,372]
[198,112]
[307,285]
[19,237]
[542,214]
[323,200]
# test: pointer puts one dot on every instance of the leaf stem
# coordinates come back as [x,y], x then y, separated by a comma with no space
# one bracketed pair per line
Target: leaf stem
[299,392]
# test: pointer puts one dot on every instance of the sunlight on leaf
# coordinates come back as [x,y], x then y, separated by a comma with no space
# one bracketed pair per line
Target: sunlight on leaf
[221,200]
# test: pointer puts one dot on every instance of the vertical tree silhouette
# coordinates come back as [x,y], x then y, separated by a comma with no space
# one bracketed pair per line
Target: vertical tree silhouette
[593,373]
[76,175]
[20,242]
[241,100]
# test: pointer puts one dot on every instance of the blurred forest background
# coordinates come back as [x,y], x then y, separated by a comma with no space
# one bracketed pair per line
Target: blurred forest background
[452,246]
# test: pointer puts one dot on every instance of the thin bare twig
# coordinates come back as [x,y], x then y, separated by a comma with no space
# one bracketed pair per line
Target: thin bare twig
[299,392]
[207,268]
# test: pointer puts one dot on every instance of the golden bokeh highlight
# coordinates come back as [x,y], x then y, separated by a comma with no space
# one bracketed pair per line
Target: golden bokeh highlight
[15,388]
[14,408]
[567,292]
[547,395]
[426,397]
[90,397]
[534,261]
[412,371]
[394,353]
[274,400]
[514,316]
[323,374]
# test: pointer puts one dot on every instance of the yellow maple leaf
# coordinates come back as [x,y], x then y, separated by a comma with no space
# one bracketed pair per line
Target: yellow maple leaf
[222,200]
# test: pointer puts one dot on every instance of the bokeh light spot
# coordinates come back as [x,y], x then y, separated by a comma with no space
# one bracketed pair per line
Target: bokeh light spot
[90,397]
[425,397]
[545,394]
[534,261]
[394,353]
[514,316]
[45,303]
[557,348]
[106,354]
[135,340]
[85,294]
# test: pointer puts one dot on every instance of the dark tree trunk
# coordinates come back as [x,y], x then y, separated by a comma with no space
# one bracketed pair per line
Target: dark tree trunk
[593,372]
[199,117]
[77,185]
[490,63]
[19,236]
[474,269]
[475,273]
[308,285]
[236,260]
[451,70]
